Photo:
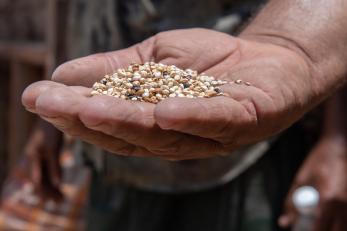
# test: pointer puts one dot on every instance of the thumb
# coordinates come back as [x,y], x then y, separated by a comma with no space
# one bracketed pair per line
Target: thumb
[87,70]
[289,214]
[286,220]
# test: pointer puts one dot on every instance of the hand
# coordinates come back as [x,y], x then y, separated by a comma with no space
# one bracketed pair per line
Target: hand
[282,90]
[43,149]
[326,170]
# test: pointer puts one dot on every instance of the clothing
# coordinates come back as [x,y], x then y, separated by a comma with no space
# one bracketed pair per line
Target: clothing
[164,176]
[252,201]
[133,194]
[136,21]
[122,208]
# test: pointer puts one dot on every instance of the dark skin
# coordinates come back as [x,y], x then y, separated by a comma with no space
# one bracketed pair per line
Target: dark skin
[43,149]
[326,170]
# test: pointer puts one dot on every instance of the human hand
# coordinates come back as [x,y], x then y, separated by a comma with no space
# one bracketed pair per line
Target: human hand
[43,149]
[326,170]
[283,87]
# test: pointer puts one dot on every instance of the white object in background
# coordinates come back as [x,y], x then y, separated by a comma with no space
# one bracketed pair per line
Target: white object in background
[305,200]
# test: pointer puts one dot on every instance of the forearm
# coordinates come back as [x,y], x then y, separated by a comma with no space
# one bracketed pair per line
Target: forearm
[315,29]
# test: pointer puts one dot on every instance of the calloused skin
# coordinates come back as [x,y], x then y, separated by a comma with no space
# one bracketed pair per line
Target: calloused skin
[284,85]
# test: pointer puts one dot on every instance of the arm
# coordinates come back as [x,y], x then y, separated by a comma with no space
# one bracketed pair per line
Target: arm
[288,76]
[315,29]
[326,169]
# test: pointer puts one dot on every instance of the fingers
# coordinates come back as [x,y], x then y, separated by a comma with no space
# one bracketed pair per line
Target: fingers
[60,106]
[289,216]
[219,118]
[134,123]
[85,71]
[31,93]
[286,220]
[116,125]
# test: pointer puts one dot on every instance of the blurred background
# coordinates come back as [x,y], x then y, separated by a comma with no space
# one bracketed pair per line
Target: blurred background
[38,35]
[32,44]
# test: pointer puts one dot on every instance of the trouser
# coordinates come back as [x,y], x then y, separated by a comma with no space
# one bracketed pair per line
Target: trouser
[252,201]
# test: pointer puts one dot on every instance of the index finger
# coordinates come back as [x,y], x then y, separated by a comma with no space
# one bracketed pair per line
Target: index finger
[87,70]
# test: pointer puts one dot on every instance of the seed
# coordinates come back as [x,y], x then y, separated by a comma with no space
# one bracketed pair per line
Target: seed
[157,74]
[166,92]
[211,93]
[136,76]
[186,85]
[109,91]
[94,93]
[153,82]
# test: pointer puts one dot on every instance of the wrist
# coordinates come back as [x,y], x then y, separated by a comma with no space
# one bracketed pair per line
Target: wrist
[281,41]
[321,70]
[298,55]
[316,30]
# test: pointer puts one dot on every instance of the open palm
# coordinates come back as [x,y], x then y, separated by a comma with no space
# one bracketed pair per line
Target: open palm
[181,128]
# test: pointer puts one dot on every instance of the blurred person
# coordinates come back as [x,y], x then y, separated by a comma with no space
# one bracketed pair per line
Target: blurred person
[124,189]
[43,151]
[326,170]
